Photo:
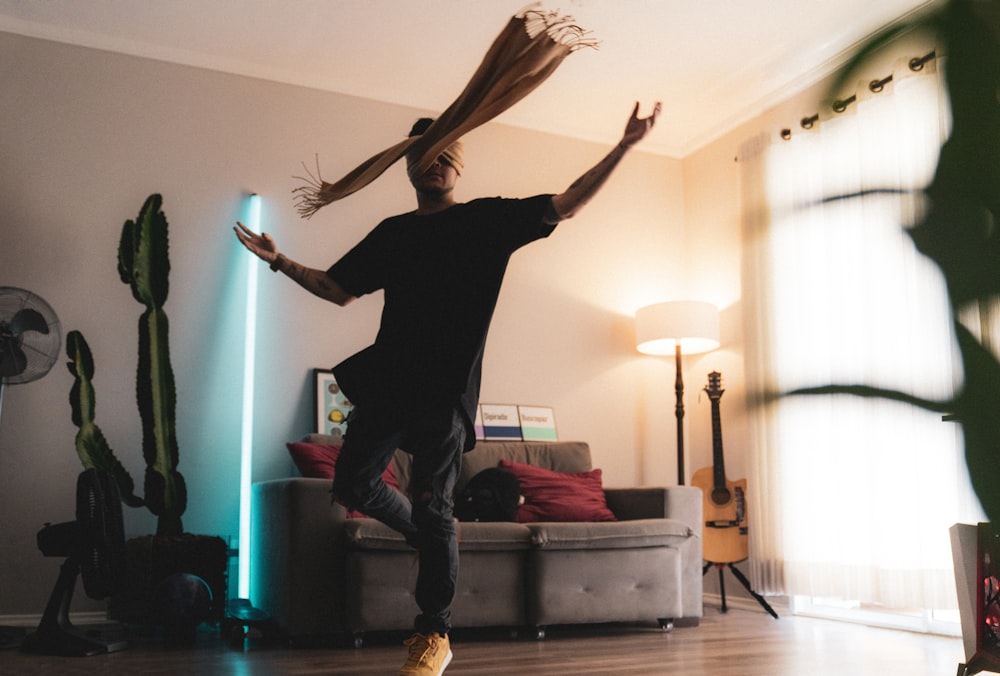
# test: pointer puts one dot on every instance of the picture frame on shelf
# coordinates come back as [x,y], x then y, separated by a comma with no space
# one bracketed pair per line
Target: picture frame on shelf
[538,423]
[500,422]
[331,404]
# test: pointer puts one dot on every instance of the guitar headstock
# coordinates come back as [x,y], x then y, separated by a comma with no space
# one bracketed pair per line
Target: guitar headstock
[714,387]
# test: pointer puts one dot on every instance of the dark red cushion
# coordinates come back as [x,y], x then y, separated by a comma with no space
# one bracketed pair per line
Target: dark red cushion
[318,461]
[559,496]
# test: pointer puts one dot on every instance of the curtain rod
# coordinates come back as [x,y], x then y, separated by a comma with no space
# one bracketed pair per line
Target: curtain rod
[875,86]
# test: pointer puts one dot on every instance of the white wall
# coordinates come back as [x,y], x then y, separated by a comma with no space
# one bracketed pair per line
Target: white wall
[86,136]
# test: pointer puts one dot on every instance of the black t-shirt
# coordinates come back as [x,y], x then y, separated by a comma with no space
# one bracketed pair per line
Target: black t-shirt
[441,274]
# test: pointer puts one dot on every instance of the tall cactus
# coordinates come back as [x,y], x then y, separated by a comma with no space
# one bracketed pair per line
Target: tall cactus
[144,265]
[91,445]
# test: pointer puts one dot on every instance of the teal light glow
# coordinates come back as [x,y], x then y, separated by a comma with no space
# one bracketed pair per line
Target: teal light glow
[246,431]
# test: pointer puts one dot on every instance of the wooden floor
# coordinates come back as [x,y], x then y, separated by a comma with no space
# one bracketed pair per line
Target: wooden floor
[738,643]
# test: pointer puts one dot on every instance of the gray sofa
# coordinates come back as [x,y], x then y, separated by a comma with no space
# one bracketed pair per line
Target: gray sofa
[318,573]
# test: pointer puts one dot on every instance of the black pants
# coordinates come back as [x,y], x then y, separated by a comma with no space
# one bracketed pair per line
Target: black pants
[435,437]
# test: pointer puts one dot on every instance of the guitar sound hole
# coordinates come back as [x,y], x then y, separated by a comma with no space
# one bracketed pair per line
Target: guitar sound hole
[721,496]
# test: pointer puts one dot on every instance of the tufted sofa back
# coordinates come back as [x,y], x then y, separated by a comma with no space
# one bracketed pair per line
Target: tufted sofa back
[559,456]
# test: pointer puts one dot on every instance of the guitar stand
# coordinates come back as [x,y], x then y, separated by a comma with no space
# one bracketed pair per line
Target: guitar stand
[743,580]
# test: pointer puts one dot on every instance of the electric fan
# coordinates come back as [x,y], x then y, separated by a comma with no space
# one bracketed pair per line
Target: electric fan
[94,547]
[29,337]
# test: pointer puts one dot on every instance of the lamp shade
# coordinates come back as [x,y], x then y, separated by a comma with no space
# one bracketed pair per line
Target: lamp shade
[659,327]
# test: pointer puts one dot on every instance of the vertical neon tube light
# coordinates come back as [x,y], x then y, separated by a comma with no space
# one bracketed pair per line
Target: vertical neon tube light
[246,432]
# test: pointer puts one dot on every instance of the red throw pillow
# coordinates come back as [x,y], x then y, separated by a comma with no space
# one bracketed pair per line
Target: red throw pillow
[559,496]
[318,461]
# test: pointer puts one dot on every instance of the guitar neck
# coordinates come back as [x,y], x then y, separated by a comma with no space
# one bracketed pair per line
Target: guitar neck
[718,459]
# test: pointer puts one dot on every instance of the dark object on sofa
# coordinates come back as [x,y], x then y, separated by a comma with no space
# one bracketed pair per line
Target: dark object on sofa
[491,495]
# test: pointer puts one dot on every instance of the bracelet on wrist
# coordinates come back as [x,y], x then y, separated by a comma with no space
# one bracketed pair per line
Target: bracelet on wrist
[277,263]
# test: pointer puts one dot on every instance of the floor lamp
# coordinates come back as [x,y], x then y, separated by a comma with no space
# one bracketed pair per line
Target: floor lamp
[677,326]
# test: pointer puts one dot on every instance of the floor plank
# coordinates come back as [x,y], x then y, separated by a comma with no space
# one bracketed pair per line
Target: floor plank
[738,643]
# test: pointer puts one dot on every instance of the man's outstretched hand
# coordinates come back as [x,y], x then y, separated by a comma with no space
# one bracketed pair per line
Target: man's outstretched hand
[262,246]
[638,127]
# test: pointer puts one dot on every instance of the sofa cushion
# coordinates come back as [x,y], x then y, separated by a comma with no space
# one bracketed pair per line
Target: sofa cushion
[372,534]
[558,456]
[369,534]
[617,535]
[559,496]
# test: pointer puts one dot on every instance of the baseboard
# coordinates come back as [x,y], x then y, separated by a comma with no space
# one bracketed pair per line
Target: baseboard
[780,604]
[32,621]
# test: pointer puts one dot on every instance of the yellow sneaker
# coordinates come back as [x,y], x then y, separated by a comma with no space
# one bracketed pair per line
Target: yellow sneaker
[429,654]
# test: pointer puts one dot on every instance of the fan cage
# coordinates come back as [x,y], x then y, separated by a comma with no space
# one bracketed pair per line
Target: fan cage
[42,349]
[99,512]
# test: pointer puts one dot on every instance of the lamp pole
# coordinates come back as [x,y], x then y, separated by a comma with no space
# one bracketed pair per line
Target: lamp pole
[673,324]
[679,413]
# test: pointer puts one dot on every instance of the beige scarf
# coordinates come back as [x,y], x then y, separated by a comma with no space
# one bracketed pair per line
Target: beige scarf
[526,52]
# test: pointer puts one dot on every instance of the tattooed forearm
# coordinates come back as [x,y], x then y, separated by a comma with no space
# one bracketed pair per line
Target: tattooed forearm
[314,281]
[566,204]
[295,271]
[588,184]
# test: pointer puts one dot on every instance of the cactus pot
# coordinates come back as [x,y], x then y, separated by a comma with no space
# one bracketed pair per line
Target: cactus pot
[158,588]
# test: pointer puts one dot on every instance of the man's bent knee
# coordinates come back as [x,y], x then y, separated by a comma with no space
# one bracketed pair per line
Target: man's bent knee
[351,495]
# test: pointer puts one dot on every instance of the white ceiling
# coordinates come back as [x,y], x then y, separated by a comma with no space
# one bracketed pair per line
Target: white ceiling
[713,63]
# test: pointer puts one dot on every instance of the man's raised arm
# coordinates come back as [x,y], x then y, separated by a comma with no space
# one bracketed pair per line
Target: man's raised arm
[316,282]
[567,203]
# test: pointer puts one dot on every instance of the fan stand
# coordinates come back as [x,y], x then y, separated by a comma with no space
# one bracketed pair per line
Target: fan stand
[56,635]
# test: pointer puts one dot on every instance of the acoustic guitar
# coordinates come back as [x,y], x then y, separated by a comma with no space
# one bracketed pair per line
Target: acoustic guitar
[724,537]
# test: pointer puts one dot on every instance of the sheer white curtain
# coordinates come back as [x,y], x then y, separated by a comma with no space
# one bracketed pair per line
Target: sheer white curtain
[851,497]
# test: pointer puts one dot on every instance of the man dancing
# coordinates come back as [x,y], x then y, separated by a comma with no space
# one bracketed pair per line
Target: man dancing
[417,386]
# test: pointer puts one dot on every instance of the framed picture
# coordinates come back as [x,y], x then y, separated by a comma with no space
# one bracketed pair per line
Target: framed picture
[538,423]
[500,422]
[332,406]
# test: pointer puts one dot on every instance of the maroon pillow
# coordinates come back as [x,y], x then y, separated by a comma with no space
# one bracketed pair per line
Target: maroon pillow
[318,461]
[559,496]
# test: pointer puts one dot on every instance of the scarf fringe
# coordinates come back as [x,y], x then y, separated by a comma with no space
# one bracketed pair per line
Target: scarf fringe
[561,28]
[526,52]
[309,197]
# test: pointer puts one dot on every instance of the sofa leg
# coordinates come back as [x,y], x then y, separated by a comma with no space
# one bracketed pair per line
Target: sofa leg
[666,624]
[358,639]
[540,633]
